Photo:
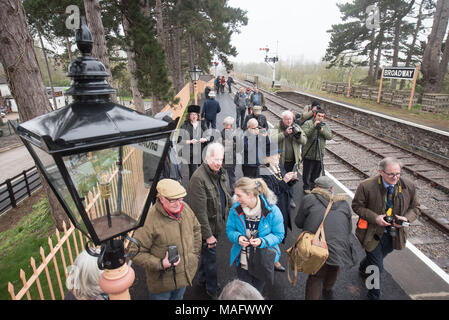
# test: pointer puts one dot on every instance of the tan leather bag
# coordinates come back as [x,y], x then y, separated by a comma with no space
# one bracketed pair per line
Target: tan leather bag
[310,251]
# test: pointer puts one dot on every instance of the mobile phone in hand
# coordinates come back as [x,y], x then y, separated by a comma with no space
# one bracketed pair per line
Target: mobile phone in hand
[173,255]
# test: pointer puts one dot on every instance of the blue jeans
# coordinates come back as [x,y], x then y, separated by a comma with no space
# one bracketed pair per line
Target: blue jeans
[376,257]
[177,294]
[207,271]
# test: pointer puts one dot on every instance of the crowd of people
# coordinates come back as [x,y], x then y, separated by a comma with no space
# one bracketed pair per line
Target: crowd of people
[255,212]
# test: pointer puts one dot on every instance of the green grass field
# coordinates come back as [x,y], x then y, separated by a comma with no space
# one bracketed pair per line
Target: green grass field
[19,244]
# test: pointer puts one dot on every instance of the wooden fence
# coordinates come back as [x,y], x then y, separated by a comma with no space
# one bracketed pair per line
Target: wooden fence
[72,242]
[17,188]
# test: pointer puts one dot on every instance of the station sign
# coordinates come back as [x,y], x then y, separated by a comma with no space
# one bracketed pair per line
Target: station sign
[404,73]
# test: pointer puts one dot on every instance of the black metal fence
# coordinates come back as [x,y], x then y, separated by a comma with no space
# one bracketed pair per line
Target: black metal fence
[17,188]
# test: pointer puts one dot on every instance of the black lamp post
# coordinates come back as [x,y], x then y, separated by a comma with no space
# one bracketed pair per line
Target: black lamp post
[194,76]
[95,142]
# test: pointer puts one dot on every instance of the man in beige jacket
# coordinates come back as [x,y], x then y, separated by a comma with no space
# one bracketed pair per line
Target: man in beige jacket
[170,222]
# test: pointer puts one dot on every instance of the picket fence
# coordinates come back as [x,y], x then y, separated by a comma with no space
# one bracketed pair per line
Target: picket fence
[73,240]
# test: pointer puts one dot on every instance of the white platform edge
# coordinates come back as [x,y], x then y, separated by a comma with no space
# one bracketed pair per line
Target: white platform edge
[434,267]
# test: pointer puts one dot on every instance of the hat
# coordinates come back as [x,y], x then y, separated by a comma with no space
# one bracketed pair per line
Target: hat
[324,182]
[170,189]
[194,108]
[315,103]
[257,109]
[212,94]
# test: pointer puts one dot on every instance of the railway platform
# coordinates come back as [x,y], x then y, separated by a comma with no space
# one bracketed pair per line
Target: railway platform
[408,274]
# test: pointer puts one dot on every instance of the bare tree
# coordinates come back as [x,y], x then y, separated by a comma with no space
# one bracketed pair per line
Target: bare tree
[137,96]
[99,50]
[434,65]
[25,79]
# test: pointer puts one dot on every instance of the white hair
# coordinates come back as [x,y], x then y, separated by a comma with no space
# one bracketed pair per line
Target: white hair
[252,121]
[287,113]
[83,277]
[214,148]
[240,290]
[228,121]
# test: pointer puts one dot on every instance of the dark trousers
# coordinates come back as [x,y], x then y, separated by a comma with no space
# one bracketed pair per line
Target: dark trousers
[240,117]
[288,166]
[212,123]
[250,172]
[311,171]
[376,258]
[244,275]
[231,174]
[192,168]
[207,270]
[325,278]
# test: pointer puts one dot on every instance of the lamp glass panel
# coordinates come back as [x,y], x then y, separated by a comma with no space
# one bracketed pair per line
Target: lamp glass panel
[55,177]
[114,195]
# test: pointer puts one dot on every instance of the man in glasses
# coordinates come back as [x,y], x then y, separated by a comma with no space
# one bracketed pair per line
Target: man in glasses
[387,196]
[170,243]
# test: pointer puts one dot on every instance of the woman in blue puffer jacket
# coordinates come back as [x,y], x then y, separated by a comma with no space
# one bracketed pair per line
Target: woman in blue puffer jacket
[254,220]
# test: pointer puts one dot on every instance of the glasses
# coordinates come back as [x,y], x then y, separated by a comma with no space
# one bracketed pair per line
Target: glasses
[253,128]
[174,200]
[392,175]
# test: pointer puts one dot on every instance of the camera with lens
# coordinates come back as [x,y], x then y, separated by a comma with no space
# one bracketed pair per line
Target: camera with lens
[320,125]
[391,229]
[296,131]
[401,222]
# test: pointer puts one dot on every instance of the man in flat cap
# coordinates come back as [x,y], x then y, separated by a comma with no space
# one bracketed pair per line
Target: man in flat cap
[170,222]
[337,229]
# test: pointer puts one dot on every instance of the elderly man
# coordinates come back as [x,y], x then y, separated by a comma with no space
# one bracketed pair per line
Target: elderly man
[289,137]
[338,230]
[170,222]
[317,132]
[257,114]
[210,109]
[240,100]
[257,98]
[256,146]
[385,204]
[210,201]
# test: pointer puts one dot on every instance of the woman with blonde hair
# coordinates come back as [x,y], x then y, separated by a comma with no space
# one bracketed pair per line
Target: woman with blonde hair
[83,278]
[254,220]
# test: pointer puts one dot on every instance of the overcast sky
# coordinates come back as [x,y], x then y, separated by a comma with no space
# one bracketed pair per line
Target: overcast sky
[296,27]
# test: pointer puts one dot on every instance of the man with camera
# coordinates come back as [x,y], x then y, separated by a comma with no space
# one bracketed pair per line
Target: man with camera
[317,132]
[289,137]
[170,243]
[385,205]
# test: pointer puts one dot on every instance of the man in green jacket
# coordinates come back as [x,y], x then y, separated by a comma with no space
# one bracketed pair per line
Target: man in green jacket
[386,194]
[170,222]
[317,132]
[210,200]
[289,141]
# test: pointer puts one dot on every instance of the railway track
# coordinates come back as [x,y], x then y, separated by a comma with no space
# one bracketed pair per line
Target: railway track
[353,155]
